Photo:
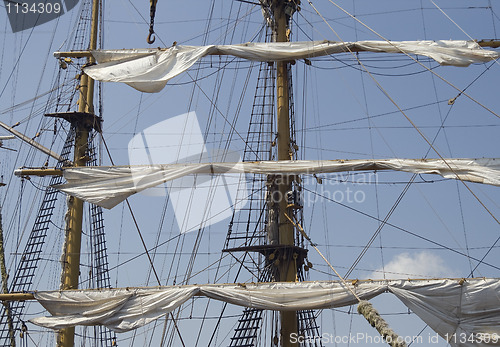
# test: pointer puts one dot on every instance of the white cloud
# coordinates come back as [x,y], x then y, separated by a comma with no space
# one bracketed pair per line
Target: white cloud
[416,265]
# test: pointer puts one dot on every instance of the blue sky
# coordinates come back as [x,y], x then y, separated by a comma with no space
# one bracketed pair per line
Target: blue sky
[343,112]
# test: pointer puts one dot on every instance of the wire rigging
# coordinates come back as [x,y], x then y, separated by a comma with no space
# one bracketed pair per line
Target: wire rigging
[413,124]
[408,55]
[442,128]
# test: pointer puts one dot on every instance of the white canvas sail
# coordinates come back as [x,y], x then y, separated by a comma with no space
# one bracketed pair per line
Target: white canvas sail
[148,70]
[448,306]
[108,186]
[447,233]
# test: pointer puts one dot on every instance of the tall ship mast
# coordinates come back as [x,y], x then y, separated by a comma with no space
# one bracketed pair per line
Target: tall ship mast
[186,160]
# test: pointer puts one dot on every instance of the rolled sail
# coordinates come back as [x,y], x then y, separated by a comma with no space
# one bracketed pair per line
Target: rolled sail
[107,186]
[449,306]
[149,70]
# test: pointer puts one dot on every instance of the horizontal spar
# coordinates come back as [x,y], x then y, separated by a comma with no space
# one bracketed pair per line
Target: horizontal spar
[38,172]
[17,296]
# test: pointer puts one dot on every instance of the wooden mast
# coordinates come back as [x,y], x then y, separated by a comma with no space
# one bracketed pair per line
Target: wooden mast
[71,258]
[287,266]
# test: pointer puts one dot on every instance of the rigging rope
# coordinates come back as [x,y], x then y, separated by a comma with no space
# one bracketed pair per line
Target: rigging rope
[451,103]
[145,247]
[405,230]
[405,115]
[415,60]
[365,308]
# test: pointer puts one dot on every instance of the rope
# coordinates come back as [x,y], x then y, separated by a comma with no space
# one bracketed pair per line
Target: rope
[145,247]
[408,55]
[406,116]
[365,308]
[408,231]
[313,245]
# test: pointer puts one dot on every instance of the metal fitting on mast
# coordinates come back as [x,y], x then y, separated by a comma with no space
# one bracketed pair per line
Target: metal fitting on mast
[152,12]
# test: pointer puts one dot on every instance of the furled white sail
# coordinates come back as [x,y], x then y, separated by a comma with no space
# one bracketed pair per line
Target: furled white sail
[448,306]
[148,70]
[108,186]
[466,315]
[126,309]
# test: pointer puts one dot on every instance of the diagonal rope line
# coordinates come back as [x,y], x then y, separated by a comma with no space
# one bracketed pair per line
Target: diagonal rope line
[400,228]
[451,20]
[404,114]
[313,245]
[231,125]
[402,51]
[144,245]
[365,308]
[381,225]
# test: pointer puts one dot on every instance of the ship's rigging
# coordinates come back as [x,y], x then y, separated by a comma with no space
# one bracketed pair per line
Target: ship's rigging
[249,228]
